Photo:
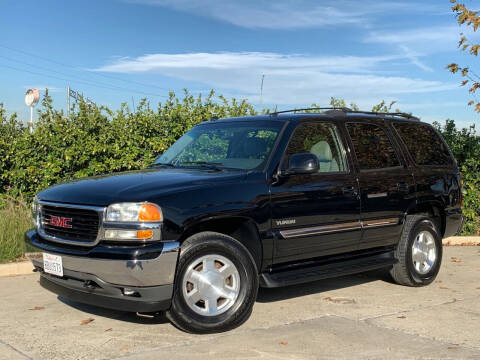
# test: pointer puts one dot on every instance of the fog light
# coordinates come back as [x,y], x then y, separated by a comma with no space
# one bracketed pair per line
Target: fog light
[144,234]
[128,234]
[121,234]
[130,292]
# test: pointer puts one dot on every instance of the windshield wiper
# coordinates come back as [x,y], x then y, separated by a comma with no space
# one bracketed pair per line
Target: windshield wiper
[211,165]
[163,164]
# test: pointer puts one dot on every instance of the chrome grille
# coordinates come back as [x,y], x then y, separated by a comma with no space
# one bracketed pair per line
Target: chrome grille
[83,224]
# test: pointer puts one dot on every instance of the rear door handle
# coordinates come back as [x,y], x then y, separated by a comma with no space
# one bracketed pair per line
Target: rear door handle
[403,187]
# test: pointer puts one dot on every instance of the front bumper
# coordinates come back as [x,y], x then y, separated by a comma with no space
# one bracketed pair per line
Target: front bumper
[101,275]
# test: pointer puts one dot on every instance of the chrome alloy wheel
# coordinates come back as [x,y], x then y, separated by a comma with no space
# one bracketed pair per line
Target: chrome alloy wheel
[211,285]
[424,252]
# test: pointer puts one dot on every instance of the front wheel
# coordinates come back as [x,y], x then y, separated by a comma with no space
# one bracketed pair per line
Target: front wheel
[419,252]
[216,284]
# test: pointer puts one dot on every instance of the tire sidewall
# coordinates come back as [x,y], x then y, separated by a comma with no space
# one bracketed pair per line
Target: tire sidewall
[248,284]
[417,278]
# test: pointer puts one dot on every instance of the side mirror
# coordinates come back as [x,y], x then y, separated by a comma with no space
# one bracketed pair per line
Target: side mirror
[304,163]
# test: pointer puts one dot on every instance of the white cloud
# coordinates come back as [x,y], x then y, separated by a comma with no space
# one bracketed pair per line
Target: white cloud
[290,14]
[425,40]
[289,79]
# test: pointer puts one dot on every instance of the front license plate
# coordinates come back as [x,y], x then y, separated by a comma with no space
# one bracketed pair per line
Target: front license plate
[52,264]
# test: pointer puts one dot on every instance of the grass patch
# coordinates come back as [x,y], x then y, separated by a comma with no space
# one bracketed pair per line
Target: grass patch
[15,219]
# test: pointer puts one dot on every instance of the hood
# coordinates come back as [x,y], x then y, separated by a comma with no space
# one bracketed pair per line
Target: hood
[141,185]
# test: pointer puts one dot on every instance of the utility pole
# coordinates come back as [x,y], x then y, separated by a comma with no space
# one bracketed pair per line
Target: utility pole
[261,90]
[68,102]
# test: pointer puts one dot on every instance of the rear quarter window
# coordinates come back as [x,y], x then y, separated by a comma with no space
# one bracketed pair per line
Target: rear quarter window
[424,144]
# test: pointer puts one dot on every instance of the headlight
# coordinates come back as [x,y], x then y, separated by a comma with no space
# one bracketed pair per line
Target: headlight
[134,212]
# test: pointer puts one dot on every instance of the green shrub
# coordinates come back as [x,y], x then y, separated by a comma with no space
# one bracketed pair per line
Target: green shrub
[97,140]
[15,219]
[465,145]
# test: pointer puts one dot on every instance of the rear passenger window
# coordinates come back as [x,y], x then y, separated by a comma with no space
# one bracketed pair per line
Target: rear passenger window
[424,144]
[372,146]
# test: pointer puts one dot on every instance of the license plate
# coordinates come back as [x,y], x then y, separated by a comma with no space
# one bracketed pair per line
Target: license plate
[52,264]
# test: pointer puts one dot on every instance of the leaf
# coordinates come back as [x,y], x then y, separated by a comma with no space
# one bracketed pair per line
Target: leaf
[339,300]
[283,342]
[452,68]
[401,317]
[87,321]
[37,308]
[109,329]
[474,87]
[443,287]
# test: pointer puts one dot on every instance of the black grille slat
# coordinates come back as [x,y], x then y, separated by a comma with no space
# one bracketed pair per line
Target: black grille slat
[85,223]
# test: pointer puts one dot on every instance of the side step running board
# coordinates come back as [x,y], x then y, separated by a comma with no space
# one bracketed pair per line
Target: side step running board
[303,275]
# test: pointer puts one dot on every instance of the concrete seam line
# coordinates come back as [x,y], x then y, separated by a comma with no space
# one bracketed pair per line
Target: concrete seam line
[16,350]
[417,309]
[217,336]
[369,321]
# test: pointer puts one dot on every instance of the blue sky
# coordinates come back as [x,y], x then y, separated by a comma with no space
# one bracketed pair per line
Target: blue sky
[122,50]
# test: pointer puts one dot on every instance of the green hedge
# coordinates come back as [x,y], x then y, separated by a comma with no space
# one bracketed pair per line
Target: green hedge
[465,145]
[98,140]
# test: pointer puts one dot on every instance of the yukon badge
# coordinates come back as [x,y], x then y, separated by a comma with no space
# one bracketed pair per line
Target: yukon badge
[286,222]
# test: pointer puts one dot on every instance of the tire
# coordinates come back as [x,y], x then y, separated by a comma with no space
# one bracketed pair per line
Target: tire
[203,257]
[413,267]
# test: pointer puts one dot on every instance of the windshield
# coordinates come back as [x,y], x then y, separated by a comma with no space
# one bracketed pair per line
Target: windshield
[234,145]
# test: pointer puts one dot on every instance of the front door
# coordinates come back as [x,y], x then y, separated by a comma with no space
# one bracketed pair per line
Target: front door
[316,214]
[387,185]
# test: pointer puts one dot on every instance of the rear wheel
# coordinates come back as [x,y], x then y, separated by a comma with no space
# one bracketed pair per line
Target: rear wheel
[419,252]
[216,284]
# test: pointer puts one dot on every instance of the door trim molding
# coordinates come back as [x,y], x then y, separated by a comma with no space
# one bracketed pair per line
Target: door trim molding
[338,227]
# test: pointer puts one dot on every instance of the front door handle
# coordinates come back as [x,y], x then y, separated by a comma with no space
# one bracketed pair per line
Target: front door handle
[350,191]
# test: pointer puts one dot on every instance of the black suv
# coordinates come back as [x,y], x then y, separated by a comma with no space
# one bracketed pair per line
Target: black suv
[238,203]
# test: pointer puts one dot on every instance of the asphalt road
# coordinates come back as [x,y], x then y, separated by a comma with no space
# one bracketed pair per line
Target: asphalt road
[363,317]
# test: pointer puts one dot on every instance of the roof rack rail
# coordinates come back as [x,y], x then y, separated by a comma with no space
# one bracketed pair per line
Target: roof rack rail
[350,111]
[399,114]
[343,109]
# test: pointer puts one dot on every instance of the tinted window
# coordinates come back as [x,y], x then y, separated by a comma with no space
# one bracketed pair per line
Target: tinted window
[372,146]
[424,144]
[320,139]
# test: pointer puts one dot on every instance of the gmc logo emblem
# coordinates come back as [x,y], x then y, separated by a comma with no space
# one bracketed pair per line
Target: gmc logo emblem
[62,222]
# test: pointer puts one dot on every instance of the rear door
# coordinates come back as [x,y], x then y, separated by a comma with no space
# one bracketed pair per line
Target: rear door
[387,186]
[316,214]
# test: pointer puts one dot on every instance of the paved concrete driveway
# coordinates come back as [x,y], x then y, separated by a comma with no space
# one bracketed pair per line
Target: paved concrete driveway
[363,316]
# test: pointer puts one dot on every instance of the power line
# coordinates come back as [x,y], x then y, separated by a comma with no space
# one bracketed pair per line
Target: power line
[76,69]
[75,78]
[80,81]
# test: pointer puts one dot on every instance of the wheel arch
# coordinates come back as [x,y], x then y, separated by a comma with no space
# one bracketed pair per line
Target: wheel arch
[240,228]
[433,209]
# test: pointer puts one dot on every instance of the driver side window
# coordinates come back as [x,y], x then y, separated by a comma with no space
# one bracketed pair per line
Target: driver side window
[322,140]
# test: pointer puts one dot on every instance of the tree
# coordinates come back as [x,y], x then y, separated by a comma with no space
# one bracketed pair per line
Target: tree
[471,19]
